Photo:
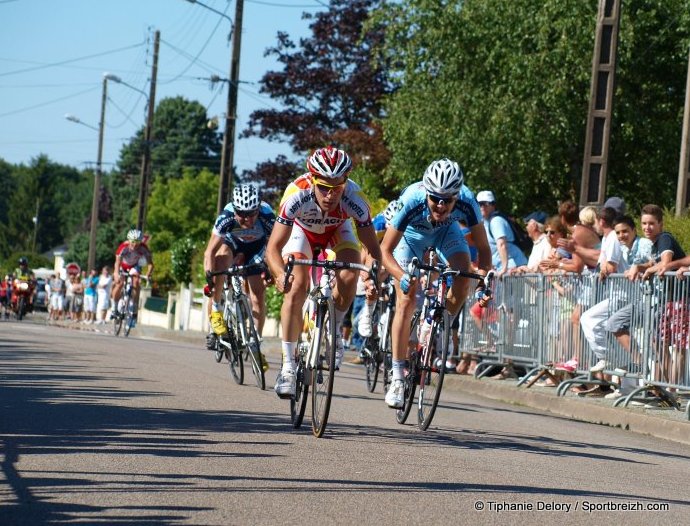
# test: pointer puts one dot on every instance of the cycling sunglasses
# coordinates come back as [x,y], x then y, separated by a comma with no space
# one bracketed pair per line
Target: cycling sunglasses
[325,187]
[441,199]
[246,213]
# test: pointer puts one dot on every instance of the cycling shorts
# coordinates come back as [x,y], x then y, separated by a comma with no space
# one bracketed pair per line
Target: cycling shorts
[447,241]
[253,252]
[303,243]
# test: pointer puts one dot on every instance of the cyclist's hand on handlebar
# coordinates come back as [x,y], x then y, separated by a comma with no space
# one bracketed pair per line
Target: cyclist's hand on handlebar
[282,284]
[268,278]
[209,280]
[482,294]
[406,282]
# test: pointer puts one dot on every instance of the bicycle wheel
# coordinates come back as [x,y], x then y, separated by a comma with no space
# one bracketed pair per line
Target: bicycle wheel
[234,356]
[298,403]
[250,340]
[411,379]
[385,353]
[129,316]
[371,365]
[117,322]
[432,371]
[323,375]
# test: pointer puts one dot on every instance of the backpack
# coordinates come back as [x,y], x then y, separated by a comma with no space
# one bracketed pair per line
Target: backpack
[520,236]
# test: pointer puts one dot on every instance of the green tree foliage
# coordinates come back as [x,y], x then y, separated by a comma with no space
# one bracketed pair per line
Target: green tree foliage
[503,87]
[181,255]
[180,138]
[331,89]
[183,207]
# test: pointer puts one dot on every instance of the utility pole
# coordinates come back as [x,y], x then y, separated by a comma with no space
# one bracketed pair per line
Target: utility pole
[682,197]
[97,181]
[599,115]
[146,158]
[228,153]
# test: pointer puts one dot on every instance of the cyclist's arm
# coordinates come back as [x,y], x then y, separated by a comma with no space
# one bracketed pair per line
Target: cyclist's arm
[388,244]
[367,235]
[214,244]
[274,259]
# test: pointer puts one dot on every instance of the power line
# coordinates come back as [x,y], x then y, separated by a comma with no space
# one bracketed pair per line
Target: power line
[274,4]
[47,103]
[69,61]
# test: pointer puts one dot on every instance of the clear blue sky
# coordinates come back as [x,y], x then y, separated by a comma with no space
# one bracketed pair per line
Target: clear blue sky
[53,54]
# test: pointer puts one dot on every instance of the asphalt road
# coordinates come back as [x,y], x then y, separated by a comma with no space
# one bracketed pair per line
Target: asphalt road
[96,429]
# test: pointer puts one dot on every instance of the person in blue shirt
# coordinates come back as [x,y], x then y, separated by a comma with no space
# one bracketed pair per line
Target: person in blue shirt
[429,217]
[505,254]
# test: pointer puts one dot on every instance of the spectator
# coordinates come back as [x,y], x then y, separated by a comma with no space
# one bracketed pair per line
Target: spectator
[77,304]
[57,297]
[69,296]
[583,242]
[5,295]
[505,254]
[90,297]
[541,250]
[105,281]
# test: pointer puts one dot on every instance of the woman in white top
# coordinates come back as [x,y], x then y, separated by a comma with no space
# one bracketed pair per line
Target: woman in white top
[105,282]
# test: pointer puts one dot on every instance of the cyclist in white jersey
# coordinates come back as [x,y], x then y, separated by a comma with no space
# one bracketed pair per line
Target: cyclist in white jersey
[317,211]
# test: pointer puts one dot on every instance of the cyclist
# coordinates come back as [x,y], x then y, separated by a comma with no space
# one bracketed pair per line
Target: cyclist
[131,256]
[24,273]
[315,213]
[430,216]
[239,236]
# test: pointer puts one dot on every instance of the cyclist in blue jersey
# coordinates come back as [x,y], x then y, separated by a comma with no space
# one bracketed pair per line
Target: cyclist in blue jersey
[239,237]
[430,215]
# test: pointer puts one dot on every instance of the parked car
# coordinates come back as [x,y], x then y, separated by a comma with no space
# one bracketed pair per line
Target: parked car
[41,299]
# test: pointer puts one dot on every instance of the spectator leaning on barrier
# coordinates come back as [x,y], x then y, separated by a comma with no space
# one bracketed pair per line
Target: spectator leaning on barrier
[610,262]
[583,243]
[505,254]
[665,250]
[535,225]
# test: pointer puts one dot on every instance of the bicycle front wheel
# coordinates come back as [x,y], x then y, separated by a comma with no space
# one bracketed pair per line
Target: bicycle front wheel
[432,371]
[234,356]
[323,374]
[117,324]
[129,317]
[371,366]
[411,378]
[250,339]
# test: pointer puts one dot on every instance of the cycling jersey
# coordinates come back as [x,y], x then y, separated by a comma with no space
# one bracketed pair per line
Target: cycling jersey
[245,240]
[133,257]
[379,223]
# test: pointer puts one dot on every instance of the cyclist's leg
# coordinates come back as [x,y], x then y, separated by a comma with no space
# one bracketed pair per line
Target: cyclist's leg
[221,260]
[455,251]
[257,294]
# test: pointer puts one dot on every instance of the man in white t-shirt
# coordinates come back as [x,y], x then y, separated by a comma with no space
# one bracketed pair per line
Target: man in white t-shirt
[610,261]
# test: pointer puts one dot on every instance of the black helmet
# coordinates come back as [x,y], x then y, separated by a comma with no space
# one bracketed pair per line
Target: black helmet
[23,261]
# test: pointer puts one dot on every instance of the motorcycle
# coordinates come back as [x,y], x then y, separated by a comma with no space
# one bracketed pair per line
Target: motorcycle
[22,292]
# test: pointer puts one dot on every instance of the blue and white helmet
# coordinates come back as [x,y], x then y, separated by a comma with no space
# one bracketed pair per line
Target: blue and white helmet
[134,235]
[391,210]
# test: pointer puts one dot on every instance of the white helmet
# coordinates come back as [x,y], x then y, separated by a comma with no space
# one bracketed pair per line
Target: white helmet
[391,210]
[443,177]
[245,198]
[134,235]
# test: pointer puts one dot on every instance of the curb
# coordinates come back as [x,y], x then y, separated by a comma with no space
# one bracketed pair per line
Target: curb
[628,419]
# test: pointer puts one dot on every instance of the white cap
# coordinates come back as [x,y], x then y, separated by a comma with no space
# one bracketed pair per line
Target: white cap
[486,196]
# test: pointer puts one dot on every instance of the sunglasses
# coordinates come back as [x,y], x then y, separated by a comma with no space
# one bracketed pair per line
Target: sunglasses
[325,187]
[550,232]
[485,203]
[246,213]
[440,199]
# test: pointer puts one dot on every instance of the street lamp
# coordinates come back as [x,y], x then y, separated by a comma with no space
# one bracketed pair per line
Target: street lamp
[228,152]
[146,157]
[97,179]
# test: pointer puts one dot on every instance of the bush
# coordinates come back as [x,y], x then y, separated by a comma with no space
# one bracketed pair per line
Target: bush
[274,302]
[181,255]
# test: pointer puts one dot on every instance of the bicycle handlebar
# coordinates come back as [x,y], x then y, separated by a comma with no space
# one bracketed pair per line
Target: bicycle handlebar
[444,270]
[331,265]
[237,270]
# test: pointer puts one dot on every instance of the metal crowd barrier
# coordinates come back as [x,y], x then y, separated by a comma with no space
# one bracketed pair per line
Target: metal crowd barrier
[534,323]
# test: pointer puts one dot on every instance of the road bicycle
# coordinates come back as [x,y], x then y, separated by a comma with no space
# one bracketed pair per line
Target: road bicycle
[126,307]
[316,347]
[377,349]
[432,324]
[242,337]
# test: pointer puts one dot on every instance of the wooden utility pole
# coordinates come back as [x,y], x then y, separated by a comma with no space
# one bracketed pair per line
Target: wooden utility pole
[146,157]
[227,159]
[595,165]
[95,203]
[682,192]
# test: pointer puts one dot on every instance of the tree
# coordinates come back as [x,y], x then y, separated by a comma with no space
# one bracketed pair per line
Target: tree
[331,87]
[503,87]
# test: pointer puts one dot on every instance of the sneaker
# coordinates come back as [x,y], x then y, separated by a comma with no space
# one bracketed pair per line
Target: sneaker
[395,397]
[599,366]
[658,404]
[364,322]
[339,352]
[218,324]
[286,384]
[615,395]
[357,360]
[211,341]
[631,368]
